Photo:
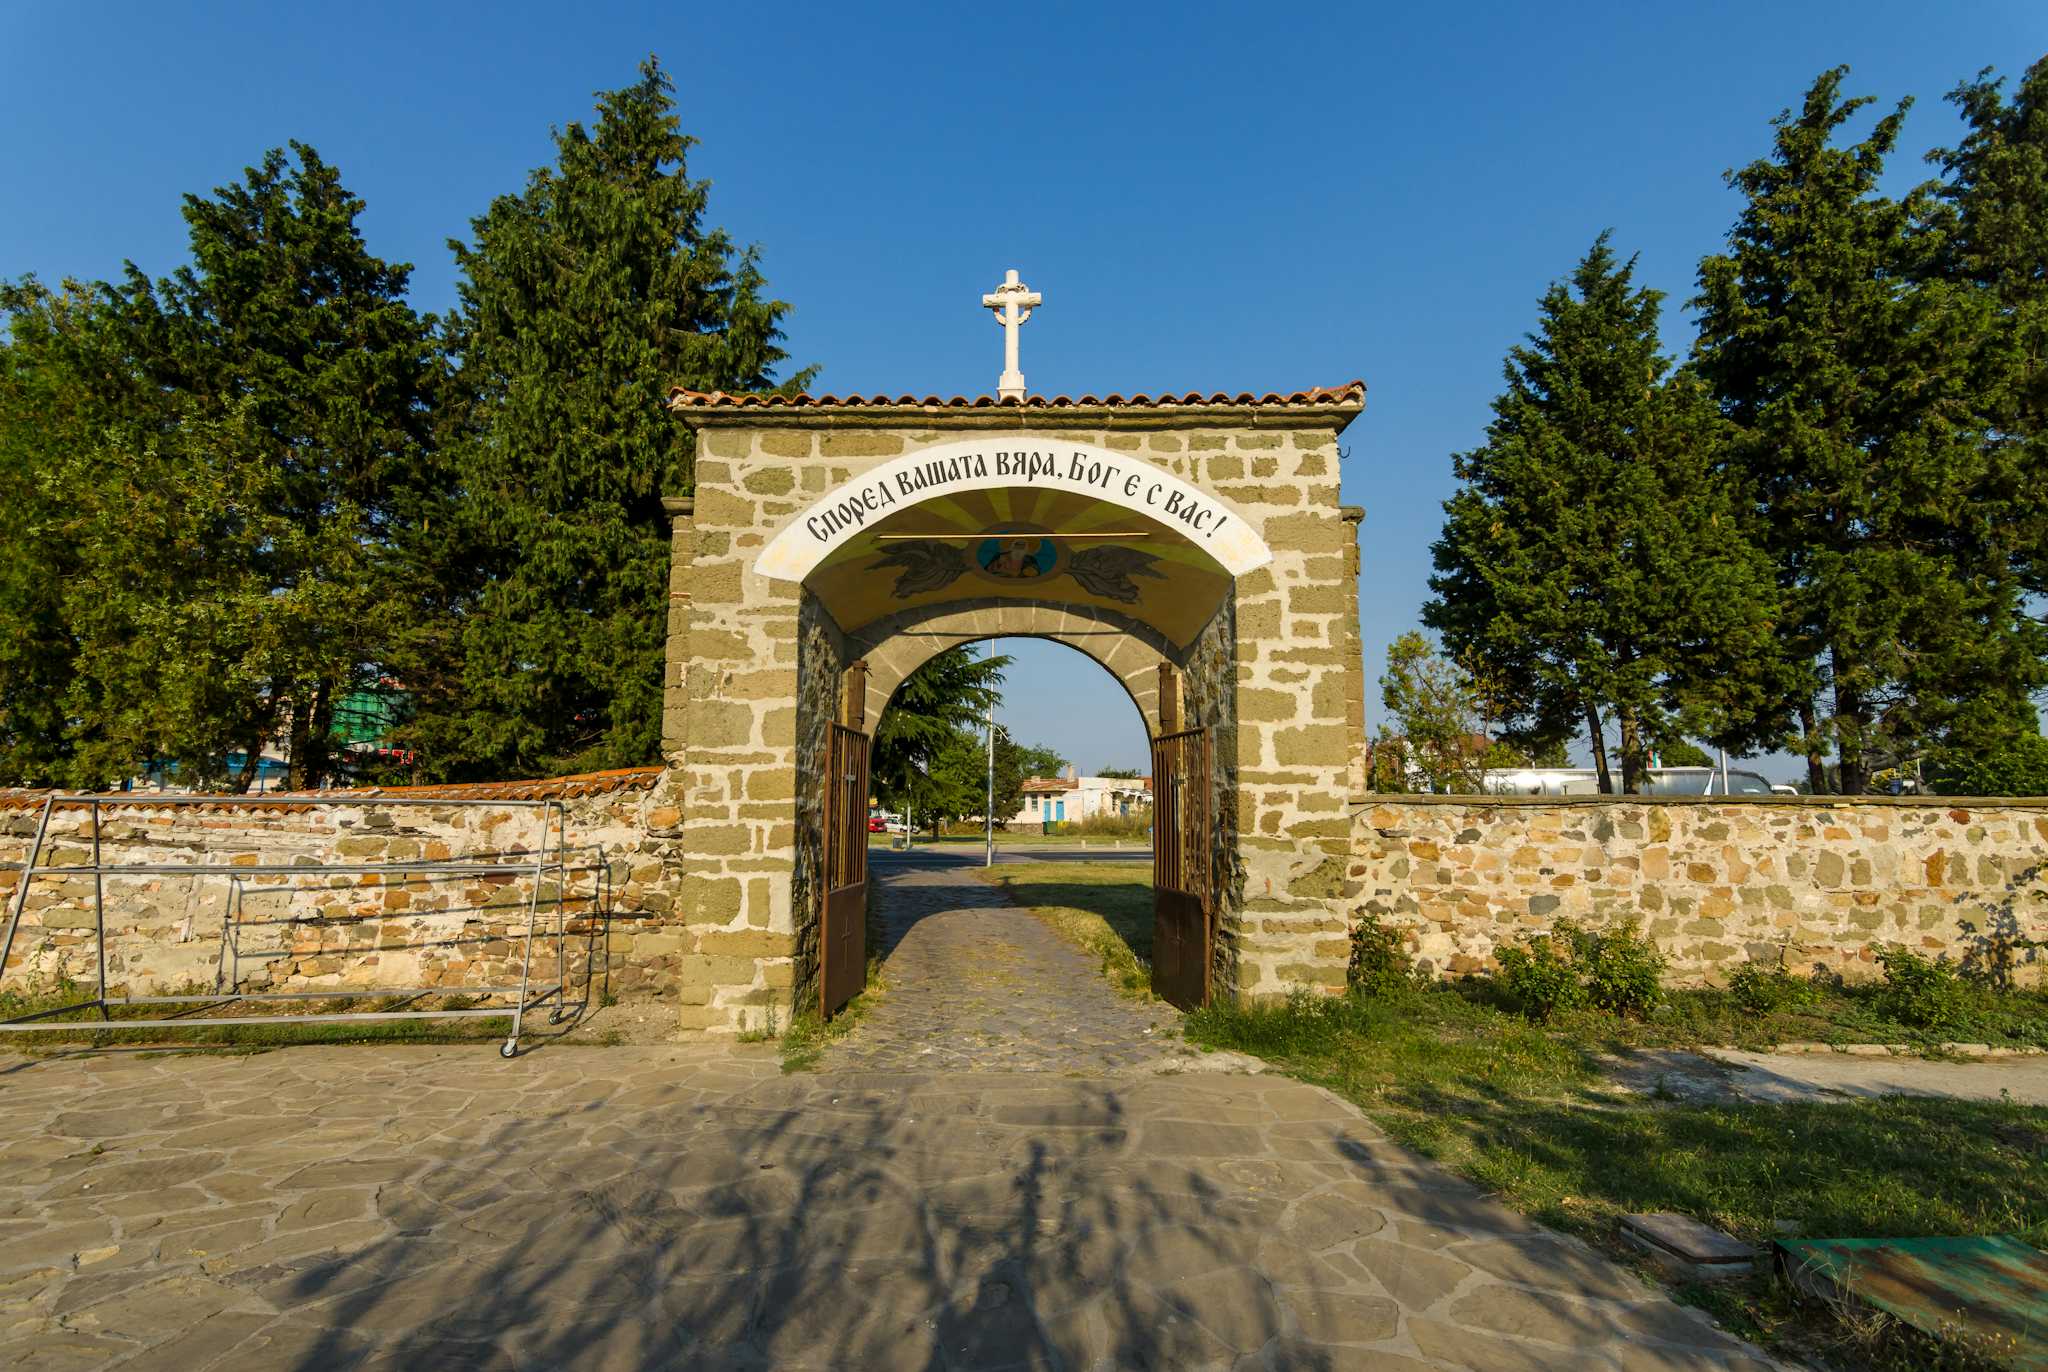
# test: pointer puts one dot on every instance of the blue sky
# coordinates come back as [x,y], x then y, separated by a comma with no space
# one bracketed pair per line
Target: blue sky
[1214,197]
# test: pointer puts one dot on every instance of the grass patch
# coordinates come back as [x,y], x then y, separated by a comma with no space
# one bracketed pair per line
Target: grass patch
[1106,911]
[804,1042]
[1131,842]
[1523,1111]
[1838,1014]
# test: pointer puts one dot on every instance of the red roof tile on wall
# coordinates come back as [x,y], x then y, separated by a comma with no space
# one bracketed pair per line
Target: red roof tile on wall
[1348,394]
[551,788]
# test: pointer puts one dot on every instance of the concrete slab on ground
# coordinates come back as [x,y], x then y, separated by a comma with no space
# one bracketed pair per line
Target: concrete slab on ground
[1728,1075]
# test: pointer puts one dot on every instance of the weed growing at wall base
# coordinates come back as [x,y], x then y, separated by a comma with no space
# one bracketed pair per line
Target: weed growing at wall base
[1615,970]
[1761,991]
[1379,964]
[1927,993]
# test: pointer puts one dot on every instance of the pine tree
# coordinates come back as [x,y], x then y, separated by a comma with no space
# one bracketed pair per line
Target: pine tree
[927,753]
[583,299]
[1853,376]
[1998,187]
[1594,559]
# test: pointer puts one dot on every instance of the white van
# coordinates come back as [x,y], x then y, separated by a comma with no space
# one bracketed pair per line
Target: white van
[1663,781]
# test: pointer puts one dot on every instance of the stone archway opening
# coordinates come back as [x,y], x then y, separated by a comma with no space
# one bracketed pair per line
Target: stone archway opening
[848,679]
[1122,723]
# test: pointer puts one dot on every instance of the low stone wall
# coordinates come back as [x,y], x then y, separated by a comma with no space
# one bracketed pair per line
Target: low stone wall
[315,931]
[1824,882]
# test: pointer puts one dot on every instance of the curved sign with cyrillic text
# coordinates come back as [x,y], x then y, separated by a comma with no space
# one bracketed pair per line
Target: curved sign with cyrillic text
[1012,460]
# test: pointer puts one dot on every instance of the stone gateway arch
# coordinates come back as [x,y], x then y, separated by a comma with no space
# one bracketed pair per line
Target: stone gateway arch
[1191,545]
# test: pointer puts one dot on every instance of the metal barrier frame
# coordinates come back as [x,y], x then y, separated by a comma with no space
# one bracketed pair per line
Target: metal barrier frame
[553,824]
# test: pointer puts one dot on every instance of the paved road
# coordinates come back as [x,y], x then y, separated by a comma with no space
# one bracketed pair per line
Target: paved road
[971,854]
[692,1207]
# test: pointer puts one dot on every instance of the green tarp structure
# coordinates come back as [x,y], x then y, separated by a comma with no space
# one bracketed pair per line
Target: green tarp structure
[1992,1293]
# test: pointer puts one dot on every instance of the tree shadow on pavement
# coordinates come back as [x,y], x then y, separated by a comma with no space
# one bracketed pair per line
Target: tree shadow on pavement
[816,1221]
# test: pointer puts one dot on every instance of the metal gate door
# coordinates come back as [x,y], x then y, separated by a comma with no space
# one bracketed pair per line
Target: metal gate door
[1183,865]
[843,923]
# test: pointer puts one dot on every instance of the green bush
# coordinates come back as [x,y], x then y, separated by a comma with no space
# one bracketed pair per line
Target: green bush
[1762,991]
[1542,977]
[1618,971]
[1924,993]
[1624,972]
[1379,965]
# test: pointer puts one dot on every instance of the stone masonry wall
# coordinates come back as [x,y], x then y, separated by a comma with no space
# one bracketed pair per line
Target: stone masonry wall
[1208,699]
[309,932]
[822,658]
[1821,882]
[1296,671]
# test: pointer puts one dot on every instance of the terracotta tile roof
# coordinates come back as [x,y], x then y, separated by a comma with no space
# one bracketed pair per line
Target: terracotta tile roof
[1318,397]
[1049,784]
[552,788]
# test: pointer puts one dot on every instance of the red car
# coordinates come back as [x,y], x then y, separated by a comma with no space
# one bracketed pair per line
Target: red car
[877,825]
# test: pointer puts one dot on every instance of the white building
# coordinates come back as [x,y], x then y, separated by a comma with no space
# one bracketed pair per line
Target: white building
[1072,797]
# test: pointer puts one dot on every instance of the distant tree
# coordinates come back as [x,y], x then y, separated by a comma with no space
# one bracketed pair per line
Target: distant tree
[1854,376]
[1016,764]
[583,299]
[2018,767]
[1678,752]
[1119,773]
[1387,763]
[955,784]
[1037,760]
[1442,717]
[1594,558]
[925,755]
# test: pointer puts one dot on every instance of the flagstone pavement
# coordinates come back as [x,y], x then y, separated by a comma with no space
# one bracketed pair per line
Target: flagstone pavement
[692,1207]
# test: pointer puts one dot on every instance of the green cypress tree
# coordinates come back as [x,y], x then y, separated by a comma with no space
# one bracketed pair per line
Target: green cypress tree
[1996,243]
[583,299]
[1594,558]
[1854,377]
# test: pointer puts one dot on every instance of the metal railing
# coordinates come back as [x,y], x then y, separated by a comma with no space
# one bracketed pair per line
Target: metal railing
[227,988]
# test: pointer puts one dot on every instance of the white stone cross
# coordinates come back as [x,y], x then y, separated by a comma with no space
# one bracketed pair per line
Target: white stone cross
[1012,302]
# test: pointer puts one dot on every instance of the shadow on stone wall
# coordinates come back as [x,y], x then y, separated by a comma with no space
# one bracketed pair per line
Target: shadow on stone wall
[1995,943]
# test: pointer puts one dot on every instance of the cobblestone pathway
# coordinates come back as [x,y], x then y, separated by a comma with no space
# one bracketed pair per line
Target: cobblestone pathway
[1045,1192]
[975,983]
[317,1209]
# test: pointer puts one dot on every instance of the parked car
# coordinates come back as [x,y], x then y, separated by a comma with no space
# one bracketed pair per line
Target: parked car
[1663,781]
[877,825]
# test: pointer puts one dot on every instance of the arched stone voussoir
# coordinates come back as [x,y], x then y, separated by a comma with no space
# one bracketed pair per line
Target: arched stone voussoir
[1126,648]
